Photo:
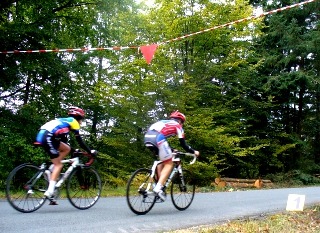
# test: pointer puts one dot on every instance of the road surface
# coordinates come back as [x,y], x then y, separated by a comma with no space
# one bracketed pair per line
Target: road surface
[112,215]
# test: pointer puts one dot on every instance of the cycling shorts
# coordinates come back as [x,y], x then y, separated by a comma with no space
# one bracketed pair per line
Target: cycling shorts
[155,139]
[49,142]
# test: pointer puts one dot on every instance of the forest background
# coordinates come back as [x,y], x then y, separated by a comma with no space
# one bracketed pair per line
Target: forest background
[250,91]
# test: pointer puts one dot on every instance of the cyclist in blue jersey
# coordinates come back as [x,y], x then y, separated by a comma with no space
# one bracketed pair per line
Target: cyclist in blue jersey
[156,140]
[53,137]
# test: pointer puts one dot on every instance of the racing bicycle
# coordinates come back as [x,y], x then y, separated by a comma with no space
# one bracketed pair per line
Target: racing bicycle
[27,183]
[139,192]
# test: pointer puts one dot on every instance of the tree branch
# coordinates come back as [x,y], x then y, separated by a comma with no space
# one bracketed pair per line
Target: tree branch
[12,94]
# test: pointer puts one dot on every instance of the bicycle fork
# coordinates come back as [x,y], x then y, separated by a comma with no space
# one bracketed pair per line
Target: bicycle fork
[182,185]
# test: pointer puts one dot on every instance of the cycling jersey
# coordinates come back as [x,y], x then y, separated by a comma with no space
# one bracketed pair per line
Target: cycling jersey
[168,128]
[61,126]
[158,133]
[56,131]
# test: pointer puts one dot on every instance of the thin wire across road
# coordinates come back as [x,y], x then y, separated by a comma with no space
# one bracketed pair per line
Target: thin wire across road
[112,215]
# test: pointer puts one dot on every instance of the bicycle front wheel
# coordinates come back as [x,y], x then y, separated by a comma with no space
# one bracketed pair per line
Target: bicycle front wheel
[83,187]
[182,194]
[25,188]
[138,198]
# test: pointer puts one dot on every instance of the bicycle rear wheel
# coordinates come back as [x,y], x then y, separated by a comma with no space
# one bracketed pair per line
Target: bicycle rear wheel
[25,188]
[182,195]
[83,187]
[137,197]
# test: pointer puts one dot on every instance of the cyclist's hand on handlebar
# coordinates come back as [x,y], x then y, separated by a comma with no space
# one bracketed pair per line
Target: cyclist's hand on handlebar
[75,152]
[94,153]
[197,153]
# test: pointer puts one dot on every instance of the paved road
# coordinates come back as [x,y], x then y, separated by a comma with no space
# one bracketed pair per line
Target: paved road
[112,215]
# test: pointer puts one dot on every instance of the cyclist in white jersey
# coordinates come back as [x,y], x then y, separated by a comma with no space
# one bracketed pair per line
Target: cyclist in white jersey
[156,140]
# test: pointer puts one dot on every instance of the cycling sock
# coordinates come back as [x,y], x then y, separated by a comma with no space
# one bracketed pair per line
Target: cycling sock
[52,185]
[158,187]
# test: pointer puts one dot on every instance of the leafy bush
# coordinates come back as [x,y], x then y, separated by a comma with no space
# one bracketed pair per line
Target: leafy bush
[294,177]
[203,173]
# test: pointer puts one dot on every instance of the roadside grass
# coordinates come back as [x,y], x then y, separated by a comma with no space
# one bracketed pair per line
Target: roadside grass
[106,192]
[306,221]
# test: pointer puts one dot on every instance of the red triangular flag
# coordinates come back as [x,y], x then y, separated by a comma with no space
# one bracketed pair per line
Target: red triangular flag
[148,51]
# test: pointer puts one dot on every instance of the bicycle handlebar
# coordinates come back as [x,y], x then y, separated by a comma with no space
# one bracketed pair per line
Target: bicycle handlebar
[178,153]
[91,156]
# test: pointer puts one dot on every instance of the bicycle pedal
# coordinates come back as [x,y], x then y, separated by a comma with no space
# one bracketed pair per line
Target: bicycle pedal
[53,202]
[84,187]
[143,192]
[30,192]
[159,200]
[151,193]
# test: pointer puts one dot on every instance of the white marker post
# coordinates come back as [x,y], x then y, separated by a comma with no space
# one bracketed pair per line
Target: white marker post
[295,202]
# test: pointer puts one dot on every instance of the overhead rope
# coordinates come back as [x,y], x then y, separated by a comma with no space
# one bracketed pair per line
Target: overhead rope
[149,50]
[239,21]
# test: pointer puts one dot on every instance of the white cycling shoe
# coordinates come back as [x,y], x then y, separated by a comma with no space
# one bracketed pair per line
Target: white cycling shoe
[159,192]
[162,195]
[51,197]
[48,194]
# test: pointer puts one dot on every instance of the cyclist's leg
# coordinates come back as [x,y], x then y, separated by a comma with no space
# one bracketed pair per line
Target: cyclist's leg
[165,155]
[63,151]
[150,141]
[57,151]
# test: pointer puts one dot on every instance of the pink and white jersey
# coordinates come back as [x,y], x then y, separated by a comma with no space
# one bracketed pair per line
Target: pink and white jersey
[168,128]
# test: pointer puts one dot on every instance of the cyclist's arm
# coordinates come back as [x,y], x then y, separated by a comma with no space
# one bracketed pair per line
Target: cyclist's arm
[75,127]
[185,146]
[183,143]
[81,142]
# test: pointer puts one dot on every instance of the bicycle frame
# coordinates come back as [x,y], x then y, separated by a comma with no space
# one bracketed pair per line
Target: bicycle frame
[176,168]
[74,163]
[44,167]
[34,180]
[140,195]
[27,183]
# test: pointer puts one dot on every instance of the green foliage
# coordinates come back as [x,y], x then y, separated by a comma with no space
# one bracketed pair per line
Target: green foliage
[17,133]
[204,173]
[293,178]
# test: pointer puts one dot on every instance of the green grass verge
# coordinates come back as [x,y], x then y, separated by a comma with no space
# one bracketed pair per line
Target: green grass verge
[106,192]
[306,221]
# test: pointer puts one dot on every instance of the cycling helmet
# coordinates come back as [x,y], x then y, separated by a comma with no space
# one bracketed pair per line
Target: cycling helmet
[76,112]
[178,115]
